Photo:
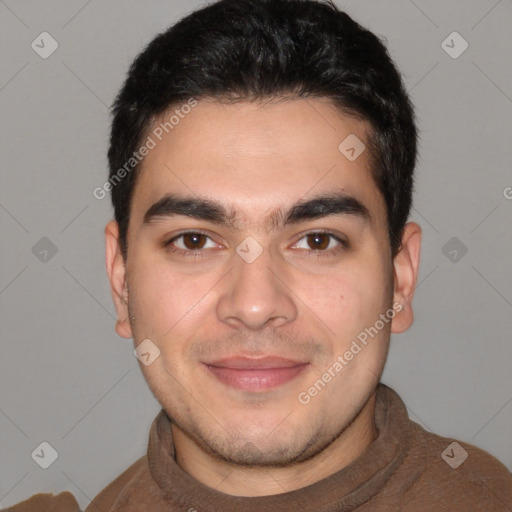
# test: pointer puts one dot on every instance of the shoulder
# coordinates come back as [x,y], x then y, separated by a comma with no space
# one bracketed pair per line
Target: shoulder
[128,484]
[64,502]
[460,470]
[135,478]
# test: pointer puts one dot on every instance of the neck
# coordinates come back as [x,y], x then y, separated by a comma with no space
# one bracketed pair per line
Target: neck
[246,481]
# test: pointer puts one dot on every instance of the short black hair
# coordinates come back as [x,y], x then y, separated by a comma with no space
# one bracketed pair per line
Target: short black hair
[248,50]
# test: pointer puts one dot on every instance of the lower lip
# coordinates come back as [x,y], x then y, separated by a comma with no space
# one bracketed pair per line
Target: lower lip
[258,379]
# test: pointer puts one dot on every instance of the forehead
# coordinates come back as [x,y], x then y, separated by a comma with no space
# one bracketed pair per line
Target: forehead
[255,157]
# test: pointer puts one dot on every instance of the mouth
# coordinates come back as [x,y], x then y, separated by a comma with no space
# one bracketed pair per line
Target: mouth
[255,374]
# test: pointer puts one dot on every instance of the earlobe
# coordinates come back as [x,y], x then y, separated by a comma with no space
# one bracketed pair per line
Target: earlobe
[116,270]
[123,329]
[406,267]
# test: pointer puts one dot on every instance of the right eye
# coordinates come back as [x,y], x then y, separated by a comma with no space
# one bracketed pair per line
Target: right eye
[190,243]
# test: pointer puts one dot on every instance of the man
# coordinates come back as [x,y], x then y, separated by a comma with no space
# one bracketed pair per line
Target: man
[261,170]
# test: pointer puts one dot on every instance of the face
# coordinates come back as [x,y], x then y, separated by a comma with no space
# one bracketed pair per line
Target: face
[259,269]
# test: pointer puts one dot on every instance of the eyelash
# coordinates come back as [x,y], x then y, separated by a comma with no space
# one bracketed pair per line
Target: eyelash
[199,253]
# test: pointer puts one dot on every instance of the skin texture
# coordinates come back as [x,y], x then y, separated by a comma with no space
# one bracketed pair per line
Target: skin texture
[294,301]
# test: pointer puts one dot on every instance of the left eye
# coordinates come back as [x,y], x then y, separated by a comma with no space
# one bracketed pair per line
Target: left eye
[319,241]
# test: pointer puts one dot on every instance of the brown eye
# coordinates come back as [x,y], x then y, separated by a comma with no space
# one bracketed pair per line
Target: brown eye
[318,241]
[193,241]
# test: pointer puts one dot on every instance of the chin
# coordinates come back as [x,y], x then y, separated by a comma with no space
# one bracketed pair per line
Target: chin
[248,453]
[278,445]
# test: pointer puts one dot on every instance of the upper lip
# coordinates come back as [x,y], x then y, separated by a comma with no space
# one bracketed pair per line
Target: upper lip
[255,363]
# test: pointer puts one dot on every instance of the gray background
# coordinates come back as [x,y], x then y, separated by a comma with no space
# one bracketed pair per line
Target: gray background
[66,378]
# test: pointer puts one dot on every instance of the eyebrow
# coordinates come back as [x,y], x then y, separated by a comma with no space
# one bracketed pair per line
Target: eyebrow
[339,203]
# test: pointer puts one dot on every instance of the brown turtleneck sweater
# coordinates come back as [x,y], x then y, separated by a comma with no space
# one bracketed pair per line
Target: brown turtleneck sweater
[405,469]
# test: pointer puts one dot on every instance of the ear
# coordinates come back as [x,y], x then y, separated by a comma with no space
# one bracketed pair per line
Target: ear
[116,270]
[406,267]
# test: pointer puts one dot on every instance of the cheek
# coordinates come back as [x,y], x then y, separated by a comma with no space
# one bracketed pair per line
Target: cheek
[156,298]
[168,304]
[353,301]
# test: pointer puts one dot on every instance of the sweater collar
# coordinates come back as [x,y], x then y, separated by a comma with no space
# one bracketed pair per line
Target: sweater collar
[346,489]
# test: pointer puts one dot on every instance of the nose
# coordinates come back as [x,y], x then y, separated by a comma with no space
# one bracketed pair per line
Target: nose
[256,295]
